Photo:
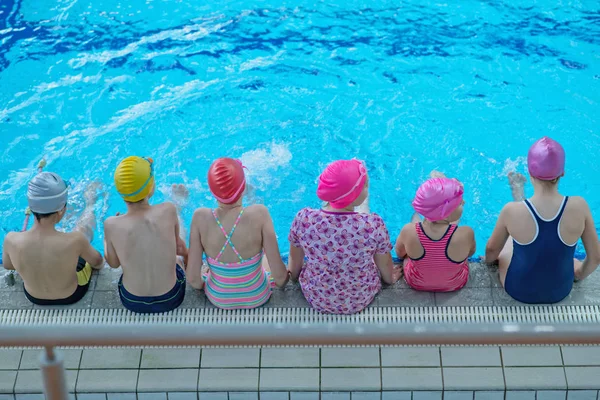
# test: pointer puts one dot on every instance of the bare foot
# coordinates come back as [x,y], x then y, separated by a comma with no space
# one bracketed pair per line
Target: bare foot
[436,174]
[179,194]
[517,185]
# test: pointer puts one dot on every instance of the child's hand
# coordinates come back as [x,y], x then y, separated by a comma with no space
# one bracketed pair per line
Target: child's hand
[397,272]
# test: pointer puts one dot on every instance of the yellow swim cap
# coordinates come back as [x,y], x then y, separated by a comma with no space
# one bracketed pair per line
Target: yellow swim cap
[134,178]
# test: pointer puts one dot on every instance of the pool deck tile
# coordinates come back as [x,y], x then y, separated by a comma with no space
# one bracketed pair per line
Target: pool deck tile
[338,379]
[396,395]
[289,357]
[152,396]
[535,378]
[410,357]
[405,298]
[14,300]
[274,396]
[336,396]
[31,358]
[230,358]
[469,297]
[365,396]
[107,299]
[581,355]
[488,395]
[551,395]
[458,395]
[168,380]
[213,396]
[31,381]
[412,378]
[480,356]
[116,358]
[479,276]
[10,359]
[350,357]
[182,395]
[107,380]
[520,395]
[289,297]
[515,356]
[237,380]
[291,379]
[171,358]
[583,377]
[243,396]
[582,394]
[304,396]
[427,395]
[7,381]
[482,378]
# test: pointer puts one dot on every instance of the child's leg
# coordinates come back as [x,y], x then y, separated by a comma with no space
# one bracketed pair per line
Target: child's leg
[504,260]
[87,221]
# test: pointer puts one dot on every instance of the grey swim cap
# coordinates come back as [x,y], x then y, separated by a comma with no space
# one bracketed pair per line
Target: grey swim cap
[47,193]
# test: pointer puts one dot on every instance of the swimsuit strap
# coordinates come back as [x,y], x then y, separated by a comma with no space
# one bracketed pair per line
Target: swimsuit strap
[228,235]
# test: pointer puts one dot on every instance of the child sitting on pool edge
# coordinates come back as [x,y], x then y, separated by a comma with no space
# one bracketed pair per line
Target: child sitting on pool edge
[436,251]
[534,239]
[237,276]
[145,242]
[56,267]
[347,253]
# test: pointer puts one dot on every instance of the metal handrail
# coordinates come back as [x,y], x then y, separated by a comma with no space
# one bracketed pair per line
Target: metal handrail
[296,334]
[276,334]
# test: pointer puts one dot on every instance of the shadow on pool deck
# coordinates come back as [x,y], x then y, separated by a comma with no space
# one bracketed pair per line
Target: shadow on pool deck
[483,289]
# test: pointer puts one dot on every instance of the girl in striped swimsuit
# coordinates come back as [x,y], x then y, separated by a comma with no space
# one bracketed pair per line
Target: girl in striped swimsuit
[436,250]
[238,275]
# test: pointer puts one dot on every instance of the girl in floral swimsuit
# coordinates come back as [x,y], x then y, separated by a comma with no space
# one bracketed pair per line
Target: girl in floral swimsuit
[347,253]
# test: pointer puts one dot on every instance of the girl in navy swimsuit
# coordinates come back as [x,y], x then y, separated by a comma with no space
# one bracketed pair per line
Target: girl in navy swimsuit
[534,239]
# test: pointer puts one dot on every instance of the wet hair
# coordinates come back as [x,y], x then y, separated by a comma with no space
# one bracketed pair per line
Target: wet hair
[40,216]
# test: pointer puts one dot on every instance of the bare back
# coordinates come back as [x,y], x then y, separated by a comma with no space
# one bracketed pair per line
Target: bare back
[144,241]
[247,237]
[47,262]
[521,225]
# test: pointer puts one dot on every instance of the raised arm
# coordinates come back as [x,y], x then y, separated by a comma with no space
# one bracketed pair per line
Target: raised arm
[194,268]
[499,237]
[271,248]
[590,243]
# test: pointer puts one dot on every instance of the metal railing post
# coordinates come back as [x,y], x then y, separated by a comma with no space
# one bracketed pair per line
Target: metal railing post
[53,374]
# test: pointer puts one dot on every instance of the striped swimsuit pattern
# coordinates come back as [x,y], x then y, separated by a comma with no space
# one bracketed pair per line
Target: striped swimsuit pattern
[434,271]
[241,285]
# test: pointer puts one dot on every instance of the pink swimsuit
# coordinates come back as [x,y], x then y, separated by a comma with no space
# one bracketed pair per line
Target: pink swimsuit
[435,271]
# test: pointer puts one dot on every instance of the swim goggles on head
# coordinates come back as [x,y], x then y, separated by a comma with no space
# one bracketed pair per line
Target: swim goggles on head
[151,162]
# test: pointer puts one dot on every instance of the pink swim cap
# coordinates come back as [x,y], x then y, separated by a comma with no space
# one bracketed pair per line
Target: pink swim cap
[437,198]
[546,159]
[342,182]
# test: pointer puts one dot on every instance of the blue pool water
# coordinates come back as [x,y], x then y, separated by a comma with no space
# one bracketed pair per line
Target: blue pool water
[462,86]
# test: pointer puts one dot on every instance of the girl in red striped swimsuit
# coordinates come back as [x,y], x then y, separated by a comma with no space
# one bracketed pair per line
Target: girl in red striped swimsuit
[436,250]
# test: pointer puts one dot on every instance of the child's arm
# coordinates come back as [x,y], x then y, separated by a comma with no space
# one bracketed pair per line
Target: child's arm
[7,263]
[88,253]
[295,262]
[194,267]
[470,235]
[590,243]
[498,239]
[385,264]
[401,241]
[271,248]
[110,255]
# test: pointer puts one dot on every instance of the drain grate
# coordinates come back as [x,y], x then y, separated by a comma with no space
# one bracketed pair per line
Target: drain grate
[379,315]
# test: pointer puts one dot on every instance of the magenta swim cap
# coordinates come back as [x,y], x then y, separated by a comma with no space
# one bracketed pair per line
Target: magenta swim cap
[437,198]
[546,159]
[342,182]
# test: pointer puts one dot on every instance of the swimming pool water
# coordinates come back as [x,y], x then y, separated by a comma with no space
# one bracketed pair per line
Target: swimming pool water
[408,86]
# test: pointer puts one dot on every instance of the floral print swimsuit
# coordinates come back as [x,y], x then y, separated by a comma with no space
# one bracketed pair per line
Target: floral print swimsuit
[339,275]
